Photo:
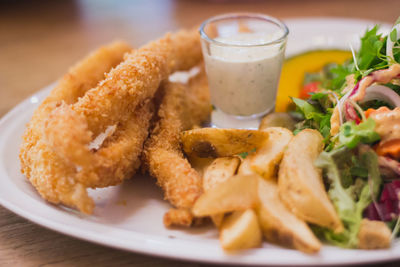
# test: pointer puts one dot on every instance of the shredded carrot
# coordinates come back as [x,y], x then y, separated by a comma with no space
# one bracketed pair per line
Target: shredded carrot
[389,148]
[369,111]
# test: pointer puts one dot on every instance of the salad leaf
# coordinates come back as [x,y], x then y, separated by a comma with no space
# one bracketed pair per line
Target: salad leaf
[350,166]
[351,202]
[393,35]
[339,75]
[371,45]
[318,96]
[370,57]
[369,159]
[352,134]
[375,104]
[315,118]
[342,200]
[308,110]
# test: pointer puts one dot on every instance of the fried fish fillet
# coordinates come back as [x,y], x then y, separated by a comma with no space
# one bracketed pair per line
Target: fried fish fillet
[182,107]
[47,171]
[114,101]
[62,164]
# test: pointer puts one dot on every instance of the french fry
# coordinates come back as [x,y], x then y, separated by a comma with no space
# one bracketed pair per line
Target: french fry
[300,183]
[216,142]
[279,225]
[217,172]
[237,193]
[240,230]
[266,159]
[277,119]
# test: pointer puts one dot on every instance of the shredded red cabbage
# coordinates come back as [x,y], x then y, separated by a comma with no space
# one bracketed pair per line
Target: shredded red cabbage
[388,206]
[350,113]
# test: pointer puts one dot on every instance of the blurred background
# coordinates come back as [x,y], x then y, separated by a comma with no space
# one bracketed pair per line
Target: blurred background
[40,40]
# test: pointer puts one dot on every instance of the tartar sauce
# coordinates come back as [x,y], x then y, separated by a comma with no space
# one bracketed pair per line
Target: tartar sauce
[243,80]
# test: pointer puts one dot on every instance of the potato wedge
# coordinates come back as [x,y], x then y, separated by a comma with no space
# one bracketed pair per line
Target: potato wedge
[240,230]
[245,167]
[217,142]
[237,193]
[220,170]
[200,164]
[266,159]
[277,119]
[300,183]
[279,225]
[217,172]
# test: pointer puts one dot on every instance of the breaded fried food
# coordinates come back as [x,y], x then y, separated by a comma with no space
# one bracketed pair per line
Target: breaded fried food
[65,163]
[114,101]
[47,171]
[116,159]
[137,78]
[183,216]
[182,107]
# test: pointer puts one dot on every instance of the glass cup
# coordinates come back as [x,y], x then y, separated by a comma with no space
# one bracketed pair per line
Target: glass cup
[243,54]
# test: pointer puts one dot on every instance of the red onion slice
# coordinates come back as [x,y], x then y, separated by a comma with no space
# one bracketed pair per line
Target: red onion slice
[382,93]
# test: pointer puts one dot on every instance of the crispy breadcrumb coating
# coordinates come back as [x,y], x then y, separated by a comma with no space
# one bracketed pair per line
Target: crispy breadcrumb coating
[182,107]
[70,128]
[47,171]
[137,79]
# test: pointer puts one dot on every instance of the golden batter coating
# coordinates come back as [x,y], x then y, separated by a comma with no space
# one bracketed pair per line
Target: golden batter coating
[47,171]
[182,107]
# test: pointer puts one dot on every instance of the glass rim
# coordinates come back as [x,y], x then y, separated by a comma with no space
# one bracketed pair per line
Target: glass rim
[274,20]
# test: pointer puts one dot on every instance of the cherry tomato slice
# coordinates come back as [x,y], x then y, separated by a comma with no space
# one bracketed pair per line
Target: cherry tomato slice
[307,89]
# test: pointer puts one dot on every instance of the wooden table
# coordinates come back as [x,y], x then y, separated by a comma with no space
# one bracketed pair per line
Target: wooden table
[39,40]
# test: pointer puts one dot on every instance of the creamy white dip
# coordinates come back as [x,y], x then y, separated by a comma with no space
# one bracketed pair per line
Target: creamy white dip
[243,80]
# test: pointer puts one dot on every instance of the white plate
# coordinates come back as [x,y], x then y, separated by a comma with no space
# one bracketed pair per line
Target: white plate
[129,217]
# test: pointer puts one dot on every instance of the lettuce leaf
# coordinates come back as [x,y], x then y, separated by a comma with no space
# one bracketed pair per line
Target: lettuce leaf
[349,202]
[352,134]
[315,118]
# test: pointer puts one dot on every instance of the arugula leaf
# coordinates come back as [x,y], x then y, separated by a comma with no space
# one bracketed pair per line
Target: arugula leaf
[351,134]
[339,75]
[370,57]
[370,50]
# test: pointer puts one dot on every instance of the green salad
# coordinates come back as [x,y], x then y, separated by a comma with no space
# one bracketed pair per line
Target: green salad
[356,108]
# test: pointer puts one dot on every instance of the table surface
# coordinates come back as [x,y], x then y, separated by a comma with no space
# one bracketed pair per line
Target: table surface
[39,40]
